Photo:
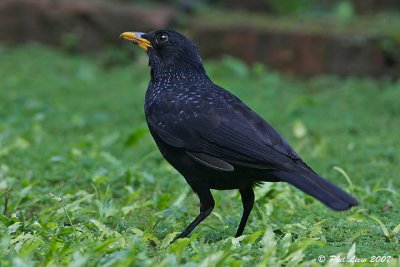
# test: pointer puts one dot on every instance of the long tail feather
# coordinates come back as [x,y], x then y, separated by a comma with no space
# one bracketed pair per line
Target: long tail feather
[316,186]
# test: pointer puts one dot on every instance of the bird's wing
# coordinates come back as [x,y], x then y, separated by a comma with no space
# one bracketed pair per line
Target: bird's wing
[221,133]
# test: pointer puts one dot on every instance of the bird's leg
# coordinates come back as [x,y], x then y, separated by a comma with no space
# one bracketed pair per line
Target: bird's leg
[206,206]
[247,195]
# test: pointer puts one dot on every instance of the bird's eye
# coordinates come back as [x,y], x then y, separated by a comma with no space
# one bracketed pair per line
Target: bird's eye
[161,38]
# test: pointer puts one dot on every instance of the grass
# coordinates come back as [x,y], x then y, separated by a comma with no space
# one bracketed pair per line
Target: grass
[82,183]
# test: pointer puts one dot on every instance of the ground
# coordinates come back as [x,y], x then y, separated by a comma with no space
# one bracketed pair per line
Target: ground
[82,183]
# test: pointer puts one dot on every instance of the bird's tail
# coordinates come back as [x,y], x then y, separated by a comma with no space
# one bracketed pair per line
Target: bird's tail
[316,186]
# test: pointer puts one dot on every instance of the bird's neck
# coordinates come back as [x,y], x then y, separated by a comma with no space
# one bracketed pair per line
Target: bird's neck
[180,72]
[174,79]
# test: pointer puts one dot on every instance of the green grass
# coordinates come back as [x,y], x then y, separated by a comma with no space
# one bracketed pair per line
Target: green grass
[82,183]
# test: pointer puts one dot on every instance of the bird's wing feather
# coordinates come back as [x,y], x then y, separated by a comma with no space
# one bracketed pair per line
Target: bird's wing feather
[222,133]
[210,161]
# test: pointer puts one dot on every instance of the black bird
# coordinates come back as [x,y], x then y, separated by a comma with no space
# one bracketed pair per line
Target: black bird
[211,137]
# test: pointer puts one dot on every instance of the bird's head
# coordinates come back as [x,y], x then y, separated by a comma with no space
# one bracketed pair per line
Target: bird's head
[166,49]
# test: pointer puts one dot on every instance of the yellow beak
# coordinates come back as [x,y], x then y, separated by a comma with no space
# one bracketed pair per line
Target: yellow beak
[136,38]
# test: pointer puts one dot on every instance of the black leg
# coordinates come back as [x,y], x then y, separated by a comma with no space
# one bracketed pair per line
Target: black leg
[206,206]
[247,195]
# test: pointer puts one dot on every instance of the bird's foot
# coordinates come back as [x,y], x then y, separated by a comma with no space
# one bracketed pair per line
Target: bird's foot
[181,235]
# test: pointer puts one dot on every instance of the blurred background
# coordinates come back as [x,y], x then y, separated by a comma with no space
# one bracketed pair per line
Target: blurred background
[304,37]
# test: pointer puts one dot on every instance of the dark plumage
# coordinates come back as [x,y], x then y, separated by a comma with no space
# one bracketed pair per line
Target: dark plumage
[212,138]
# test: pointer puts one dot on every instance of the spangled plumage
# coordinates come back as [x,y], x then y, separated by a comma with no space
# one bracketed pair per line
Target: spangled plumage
[215,122]
[212,138]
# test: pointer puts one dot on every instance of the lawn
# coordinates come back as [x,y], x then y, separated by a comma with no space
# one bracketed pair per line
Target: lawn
[82,182]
